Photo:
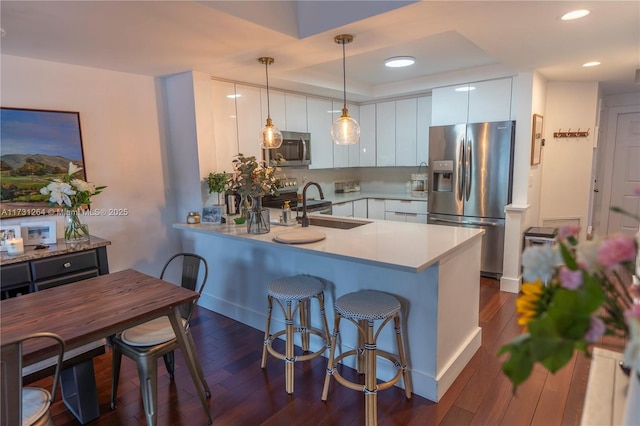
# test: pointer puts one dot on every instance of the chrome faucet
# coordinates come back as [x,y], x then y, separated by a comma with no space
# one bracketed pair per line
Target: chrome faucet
[305,219]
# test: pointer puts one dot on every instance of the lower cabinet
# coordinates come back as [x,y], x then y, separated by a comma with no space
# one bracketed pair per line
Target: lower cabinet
[406,211]
[360,209]
[343,209]
[377,208]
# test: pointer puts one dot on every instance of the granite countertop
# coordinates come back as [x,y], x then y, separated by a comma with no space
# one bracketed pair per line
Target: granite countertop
[406,246]
[30,253]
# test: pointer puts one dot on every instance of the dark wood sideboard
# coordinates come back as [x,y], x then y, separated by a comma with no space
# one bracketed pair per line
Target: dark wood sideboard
[55,265]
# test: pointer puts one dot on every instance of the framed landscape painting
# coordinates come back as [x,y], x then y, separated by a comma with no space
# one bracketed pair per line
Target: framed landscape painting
[37,146]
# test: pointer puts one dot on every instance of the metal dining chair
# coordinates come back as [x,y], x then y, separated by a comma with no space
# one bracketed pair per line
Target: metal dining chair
[32,407]
[146,342]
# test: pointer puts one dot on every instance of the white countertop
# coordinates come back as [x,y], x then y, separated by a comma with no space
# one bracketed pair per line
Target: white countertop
[400,245]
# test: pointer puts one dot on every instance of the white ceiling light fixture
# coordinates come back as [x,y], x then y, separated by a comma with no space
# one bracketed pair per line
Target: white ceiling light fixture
[400,61]
[233,96]
[591,64]
[345,130]
[575,14]
[270,136]
[465,88]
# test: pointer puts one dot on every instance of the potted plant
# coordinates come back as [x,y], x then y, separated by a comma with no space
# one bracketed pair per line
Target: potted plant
[217,184]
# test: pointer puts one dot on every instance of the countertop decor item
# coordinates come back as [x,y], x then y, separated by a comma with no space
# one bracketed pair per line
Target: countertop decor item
[217,184]
[253,180]
[345,130]
[591,291]
[72,195]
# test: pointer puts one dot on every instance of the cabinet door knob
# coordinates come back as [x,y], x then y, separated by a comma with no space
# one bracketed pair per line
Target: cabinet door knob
[67,265]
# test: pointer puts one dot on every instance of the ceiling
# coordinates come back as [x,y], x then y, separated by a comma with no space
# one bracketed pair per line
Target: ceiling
[453,41]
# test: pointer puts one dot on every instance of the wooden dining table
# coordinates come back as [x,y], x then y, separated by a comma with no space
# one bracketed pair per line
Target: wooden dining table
[92,309]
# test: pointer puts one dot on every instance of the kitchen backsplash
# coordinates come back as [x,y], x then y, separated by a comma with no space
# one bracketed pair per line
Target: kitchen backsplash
[372,179]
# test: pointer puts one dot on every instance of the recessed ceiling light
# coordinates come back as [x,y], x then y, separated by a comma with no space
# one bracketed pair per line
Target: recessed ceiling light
[591,64]
[400,61]
[464,89]
[575,14]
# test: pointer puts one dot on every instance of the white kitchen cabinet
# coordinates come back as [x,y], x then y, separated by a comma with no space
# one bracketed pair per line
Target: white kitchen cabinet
[422,131]
[367,144]
[295,112]
[490,101]
[386,134]
[406,211]
[343,209]
[481,101]
[224,122]
[375,208]
[360,208]
[277,110]
[319,121]
[406,127]
[354,150]
[249,119]
[449,106]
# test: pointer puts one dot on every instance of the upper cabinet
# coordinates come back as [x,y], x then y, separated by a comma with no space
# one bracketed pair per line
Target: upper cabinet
[224,122]
[490,101]
[250,120]
[295,113]
[422,132]
[367,145]
[386,134]
[319,119]
[406,132]
[472,103]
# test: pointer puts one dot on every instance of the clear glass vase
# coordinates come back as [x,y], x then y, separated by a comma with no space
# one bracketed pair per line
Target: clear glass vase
[74,230]
[258,218]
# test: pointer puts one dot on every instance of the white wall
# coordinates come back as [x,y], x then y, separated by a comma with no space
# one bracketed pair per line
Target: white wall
[123,145]
[567,163]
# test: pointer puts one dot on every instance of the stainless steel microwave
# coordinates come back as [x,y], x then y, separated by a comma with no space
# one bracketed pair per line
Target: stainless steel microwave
[295,149]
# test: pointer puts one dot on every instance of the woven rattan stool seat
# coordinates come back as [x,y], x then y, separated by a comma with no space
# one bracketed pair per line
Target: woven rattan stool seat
[296,287]
[363,308]
[293,295]
[367,305]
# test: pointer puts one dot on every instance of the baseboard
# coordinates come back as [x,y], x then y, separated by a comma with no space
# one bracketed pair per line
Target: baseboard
[510,285]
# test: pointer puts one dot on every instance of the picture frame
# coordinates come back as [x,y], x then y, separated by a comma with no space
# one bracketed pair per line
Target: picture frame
[37,146]
[536,139]
[8,232]
[212,215]
[34,233]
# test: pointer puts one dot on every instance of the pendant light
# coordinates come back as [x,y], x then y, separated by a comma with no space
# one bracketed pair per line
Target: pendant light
[270,136]
[345,130]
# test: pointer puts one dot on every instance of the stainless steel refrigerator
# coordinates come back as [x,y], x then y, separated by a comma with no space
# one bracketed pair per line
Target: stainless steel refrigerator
[470,182]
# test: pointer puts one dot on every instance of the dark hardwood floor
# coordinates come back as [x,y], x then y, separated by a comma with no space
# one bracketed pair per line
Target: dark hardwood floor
[244,394]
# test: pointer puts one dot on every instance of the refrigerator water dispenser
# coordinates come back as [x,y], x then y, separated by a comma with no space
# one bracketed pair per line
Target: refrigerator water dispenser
[442,175]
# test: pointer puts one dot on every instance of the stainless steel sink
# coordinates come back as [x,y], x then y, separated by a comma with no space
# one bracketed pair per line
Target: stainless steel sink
[337,223]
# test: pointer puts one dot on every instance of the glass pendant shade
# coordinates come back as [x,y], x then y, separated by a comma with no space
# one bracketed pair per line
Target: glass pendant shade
[345,130]
[270,136]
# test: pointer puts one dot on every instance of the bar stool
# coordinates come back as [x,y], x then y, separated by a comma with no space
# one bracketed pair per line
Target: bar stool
[363,308]
[296,290]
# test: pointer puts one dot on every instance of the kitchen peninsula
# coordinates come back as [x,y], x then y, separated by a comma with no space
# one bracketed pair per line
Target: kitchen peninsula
[433,270]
